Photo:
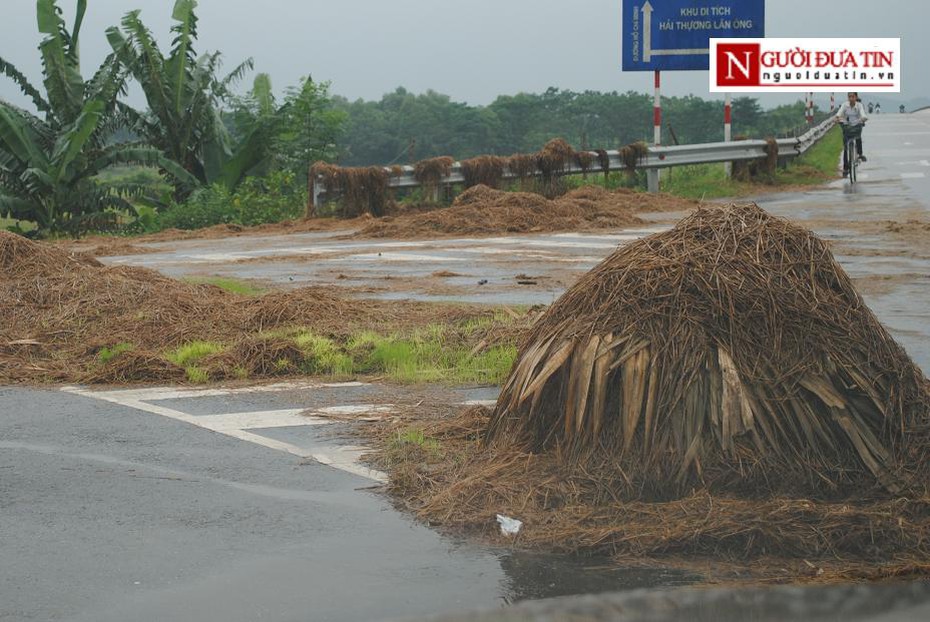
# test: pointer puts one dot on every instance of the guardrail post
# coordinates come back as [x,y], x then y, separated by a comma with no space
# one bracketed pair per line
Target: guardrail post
[311,189]
[313,196]
[652,179]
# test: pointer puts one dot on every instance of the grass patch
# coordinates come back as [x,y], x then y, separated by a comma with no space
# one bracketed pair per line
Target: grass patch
[411,446]
[107,354]
[821,161]
[323,355]
[234,286]
[190,353]
[429,355]
[477,350]
[709,181]
[197,375]
[18,226]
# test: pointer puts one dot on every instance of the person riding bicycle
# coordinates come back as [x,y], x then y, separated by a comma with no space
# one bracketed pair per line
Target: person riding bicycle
[851,116]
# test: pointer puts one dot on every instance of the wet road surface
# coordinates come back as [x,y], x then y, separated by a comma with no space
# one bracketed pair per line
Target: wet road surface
[111,511]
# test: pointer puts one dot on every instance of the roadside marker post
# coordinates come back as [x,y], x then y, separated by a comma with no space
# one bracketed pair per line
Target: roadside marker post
[653,175]
[727,112]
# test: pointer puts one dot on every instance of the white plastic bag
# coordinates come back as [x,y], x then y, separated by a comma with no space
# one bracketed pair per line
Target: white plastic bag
[509,526]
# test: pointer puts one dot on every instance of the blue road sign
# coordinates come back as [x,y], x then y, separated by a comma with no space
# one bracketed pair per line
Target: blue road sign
[674,35]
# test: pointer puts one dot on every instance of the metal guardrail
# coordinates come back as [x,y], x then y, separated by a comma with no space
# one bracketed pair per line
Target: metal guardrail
[656,158]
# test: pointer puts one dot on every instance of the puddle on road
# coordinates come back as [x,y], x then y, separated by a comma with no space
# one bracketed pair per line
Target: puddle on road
[533,576]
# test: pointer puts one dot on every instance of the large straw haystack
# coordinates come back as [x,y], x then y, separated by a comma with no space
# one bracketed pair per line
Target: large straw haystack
[731,353]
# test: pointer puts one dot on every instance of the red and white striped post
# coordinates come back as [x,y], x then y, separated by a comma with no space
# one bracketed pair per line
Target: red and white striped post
[652,174]
[810,109]
[728,166]
[657,112]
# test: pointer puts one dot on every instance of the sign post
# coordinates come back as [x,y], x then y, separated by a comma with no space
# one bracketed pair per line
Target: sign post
[674,35]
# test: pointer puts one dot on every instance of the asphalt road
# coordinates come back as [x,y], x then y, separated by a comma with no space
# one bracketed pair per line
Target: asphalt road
[200,507]
[108,513]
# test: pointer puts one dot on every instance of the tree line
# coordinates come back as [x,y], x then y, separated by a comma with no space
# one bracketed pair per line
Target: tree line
[404,127]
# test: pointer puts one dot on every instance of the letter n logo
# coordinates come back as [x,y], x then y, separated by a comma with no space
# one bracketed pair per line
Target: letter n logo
[738,64]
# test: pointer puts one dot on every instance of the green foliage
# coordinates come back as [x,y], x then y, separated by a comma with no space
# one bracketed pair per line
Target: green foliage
[708,181]
[49,166]
[403,127]
[307,128]
[184,93]
[414,438]
[189,355]
[107,354]
[323,355]
[821,160]
[196,375]
[234,286]
[205,207]
[304,129]
[274,198]
[193,352]
[428,356]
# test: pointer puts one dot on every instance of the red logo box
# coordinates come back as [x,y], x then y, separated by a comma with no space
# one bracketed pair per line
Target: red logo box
[738,64]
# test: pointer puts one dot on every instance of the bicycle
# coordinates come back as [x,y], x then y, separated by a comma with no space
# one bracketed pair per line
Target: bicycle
[851,134]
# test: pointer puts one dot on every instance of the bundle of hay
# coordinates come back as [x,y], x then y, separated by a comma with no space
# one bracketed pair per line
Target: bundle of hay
[364,189]
[730,354]
[482,210]
[60,309]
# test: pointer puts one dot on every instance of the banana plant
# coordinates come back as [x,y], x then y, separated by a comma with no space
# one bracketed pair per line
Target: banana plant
[184,95]
[49,160]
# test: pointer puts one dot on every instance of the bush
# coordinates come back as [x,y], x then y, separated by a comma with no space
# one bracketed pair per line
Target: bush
[273,198]
[256,201]
[208,206]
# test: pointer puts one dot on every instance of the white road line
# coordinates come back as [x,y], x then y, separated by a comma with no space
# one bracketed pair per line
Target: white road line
[912,175]
[153,394]
[258,419]
[332,456]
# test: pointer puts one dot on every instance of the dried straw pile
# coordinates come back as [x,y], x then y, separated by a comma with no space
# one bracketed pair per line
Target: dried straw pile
[364,189]
[730,354]
[481,210]
[430,172]
[59,310]
[716,392]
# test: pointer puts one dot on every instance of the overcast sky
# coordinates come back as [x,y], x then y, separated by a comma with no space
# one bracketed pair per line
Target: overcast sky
[472,50]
